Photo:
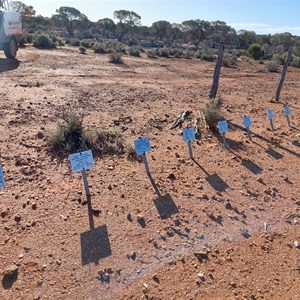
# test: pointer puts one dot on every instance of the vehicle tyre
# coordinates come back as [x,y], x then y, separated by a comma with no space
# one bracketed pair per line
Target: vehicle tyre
[11,48]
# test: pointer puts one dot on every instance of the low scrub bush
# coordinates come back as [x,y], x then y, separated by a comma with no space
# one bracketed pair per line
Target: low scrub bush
[151,53]
[134,52]
[255,51]
[70,135]
[295,62]
[229,60]
[116,58]
[212,112]
[163,53]
[99,48]
[273,66]
[108,142]
[43,41]
[82,50]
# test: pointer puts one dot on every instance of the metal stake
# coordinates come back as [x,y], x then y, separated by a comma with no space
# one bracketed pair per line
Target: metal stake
[146,164]
[272,125]
[249,133]
[86,184]
[224,139]
[288,120]
[190,149]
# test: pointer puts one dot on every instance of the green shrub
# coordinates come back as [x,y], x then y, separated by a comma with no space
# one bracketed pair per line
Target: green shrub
[295,62]
[163,53]
[272,66]
[151,53]
[28,38]
[70,135]
[208,57]
[229,60]
[212,112]
[116,58]
[108,142]
[99,48]
[82,50]
[43,41]
[134,52]
[255,51]
[198,54]
[75,43]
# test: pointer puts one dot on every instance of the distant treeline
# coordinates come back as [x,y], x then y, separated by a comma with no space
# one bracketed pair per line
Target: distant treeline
[69,25]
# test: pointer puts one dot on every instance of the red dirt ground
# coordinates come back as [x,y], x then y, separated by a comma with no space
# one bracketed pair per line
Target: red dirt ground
[224,226]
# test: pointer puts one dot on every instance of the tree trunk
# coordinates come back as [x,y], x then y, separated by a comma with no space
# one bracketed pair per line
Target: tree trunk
[214,88]
[283,73]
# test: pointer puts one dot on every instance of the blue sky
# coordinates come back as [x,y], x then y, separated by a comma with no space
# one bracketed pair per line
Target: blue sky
[261,16]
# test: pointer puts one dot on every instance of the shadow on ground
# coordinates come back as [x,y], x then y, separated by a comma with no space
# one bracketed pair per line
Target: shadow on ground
[165,206]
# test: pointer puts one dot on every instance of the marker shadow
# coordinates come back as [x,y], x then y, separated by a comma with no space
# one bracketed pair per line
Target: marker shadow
[165,206]
[95,243]
[251,166]
[260,137]
[213,179]
[217,182]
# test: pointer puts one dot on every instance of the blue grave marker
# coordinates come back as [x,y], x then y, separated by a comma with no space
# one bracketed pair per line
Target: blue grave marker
[223,128]
[142,146]
[2,180]
[247,124]
[80,162]
[189,136]
[271,117]
[287,112]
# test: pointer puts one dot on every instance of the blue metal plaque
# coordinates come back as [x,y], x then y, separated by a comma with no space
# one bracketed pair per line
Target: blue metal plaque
[2,181]
[223,126]
[188,134]
[286,110]
[81,161]
[270,114]
[247,121]
[142,145]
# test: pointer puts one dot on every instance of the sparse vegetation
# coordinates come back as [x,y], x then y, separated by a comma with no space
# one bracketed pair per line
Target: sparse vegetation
[229,60]
[43,41]
[70,135]
[134,52]
[82,50]
[273,66]
[116,58]
[212,112]
[255,51]
[108,142]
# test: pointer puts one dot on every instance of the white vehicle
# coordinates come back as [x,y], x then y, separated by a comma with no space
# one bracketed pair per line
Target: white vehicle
[10,30]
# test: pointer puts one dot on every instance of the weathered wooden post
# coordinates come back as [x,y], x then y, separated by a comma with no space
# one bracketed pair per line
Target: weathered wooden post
[214,88]
[283,73]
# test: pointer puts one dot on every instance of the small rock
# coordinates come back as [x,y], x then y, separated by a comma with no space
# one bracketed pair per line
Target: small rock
[260,180]
[201,256]
[40,135]
[297,244]
[228,205]
[155,278]
[18,218]
[201,276]
[34,206]
[171,176]
[10,271]
[141,220]
[129,217]
[4,213]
